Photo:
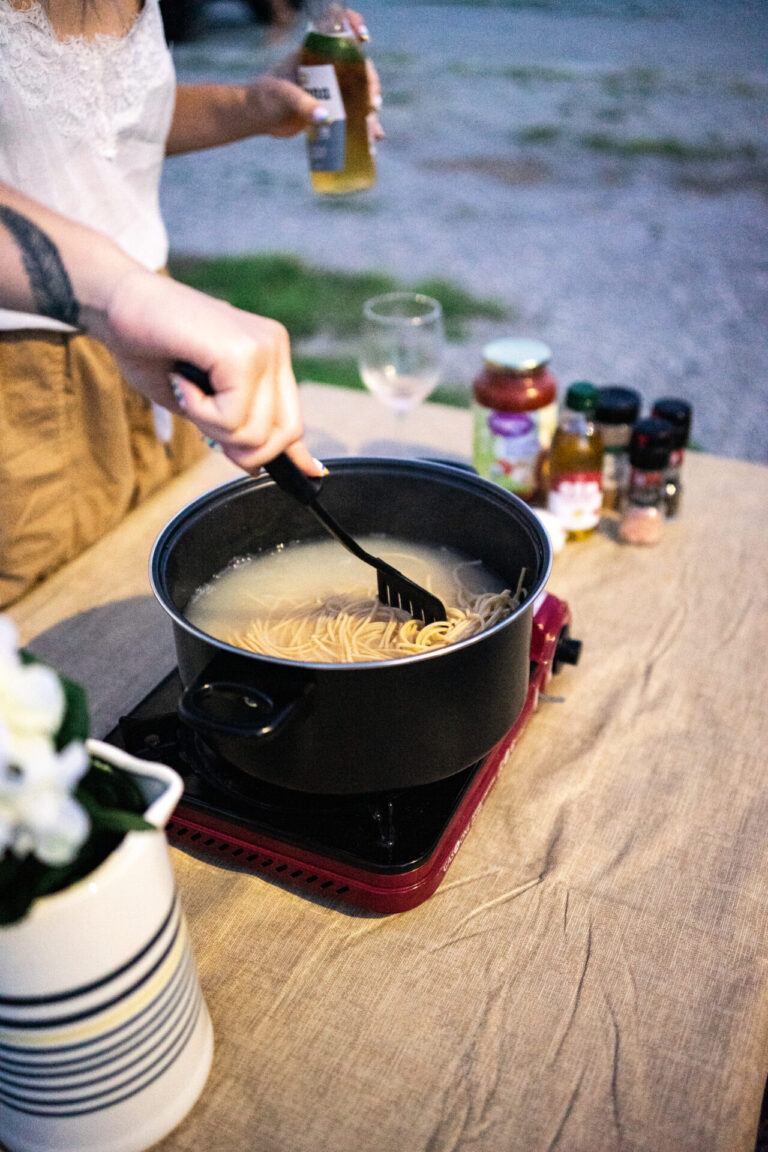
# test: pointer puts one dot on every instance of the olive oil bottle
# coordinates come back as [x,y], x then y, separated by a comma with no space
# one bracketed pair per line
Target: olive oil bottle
[332,69]
[576,464]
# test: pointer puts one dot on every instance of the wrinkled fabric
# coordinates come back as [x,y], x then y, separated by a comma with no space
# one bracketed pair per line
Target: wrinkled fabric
[592,973]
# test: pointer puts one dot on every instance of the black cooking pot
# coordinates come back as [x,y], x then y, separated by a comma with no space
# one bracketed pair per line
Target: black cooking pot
[353,728]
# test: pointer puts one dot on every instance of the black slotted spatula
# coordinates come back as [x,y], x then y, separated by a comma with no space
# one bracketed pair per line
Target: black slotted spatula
[394,589]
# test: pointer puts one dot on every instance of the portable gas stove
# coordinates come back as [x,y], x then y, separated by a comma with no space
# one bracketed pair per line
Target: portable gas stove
[386,852]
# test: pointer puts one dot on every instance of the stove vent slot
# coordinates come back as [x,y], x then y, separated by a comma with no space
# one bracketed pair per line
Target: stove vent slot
[256,859]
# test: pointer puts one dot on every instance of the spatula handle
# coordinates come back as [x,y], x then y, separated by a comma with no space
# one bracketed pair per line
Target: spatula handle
[282,469]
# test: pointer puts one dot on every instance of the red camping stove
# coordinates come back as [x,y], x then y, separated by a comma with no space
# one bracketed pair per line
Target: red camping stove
[385,852]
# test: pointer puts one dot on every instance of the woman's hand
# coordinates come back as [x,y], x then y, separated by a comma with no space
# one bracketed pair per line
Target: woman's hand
[209,115]
[152,321]
[280,107]
[287,70]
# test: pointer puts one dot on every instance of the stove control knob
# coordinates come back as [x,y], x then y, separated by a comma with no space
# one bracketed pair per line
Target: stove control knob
[567,651]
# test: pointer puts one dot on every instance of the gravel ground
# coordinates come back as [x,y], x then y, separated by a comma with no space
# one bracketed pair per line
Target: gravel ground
[601,168]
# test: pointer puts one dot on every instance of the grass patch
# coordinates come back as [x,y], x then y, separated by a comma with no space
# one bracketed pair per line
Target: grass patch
[540,134]
[667,147]
[632,82]
[339,370]
[534,73]
[664,147]
[310,300]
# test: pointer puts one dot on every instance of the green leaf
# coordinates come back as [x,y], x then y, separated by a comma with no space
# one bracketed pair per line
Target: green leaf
[75,724]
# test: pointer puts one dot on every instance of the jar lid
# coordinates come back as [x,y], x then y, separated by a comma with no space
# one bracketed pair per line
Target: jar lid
[516,354]
[651,444]
[678,413]
[581,397]
[617,405]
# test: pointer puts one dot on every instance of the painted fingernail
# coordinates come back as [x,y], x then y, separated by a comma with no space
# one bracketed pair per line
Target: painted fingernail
[363,32]
[177,392]
[319,464]
[320,114]
[211,443]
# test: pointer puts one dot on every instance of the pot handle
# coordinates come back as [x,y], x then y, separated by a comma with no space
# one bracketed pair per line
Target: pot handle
[231,709]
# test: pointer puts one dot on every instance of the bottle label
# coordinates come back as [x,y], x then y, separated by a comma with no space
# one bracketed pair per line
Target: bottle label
[576,499]
[327,142]
[646,489]
[615,476]
[510,447]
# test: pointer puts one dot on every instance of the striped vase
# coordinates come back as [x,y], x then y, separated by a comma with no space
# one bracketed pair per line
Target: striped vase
[105,1040]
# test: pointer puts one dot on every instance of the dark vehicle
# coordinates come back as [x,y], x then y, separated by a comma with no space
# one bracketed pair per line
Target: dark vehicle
[181,17]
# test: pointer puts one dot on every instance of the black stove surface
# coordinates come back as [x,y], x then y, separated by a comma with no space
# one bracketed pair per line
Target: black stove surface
[381,832]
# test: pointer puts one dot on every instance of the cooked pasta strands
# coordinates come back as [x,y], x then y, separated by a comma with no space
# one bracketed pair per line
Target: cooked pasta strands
[284,611]
[345,629]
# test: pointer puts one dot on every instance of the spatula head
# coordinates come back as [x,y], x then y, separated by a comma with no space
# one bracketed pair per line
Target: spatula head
[397,591]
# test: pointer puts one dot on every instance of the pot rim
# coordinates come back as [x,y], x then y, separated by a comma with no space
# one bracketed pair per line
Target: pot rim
[348,463]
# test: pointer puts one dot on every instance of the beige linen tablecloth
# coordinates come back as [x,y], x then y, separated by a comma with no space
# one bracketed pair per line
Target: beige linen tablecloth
[593,972]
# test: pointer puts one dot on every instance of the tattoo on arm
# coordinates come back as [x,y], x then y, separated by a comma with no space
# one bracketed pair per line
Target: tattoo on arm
[48,278]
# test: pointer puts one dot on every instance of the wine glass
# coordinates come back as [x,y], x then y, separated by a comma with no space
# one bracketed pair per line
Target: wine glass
[401,351]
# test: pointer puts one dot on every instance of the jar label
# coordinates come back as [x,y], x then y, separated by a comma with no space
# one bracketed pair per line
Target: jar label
[510,447]
[576,498]
[615,476]
[646,489]
[327,142]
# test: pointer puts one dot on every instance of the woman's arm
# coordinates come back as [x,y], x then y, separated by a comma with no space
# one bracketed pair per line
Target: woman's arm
[55,267]
[207,115]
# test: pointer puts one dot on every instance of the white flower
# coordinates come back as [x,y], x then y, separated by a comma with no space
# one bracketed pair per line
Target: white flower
[37,812]
[31,696]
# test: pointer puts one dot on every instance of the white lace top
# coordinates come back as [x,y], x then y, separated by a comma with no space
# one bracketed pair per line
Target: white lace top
[83,125]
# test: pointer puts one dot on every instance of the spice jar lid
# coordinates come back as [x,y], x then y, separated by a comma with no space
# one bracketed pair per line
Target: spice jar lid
[517,354]
[581,397]
[651,444]
[678,413]
[617,405]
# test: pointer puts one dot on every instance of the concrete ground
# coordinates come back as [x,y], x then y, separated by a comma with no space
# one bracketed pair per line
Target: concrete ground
[599,167]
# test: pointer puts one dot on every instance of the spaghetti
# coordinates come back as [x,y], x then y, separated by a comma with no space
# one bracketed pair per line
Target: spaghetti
[313,602]
[343,629]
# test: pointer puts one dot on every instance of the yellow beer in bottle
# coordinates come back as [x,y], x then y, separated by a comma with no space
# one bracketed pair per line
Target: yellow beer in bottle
[332,69]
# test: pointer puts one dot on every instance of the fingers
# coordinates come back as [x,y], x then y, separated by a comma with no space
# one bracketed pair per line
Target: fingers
[358,26]
[253,411]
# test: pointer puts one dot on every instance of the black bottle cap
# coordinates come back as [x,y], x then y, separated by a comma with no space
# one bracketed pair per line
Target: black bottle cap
[651,444]
[678,413]
[617,405]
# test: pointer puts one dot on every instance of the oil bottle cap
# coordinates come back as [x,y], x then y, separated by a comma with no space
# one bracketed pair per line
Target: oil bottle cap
[651,444]
[617,405]
[581,397]
[517,354]
[678,413]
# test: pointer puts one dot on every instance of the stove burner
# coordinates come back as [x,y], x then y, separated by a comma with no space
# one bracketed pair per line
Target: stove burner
[386,852]
[380,831]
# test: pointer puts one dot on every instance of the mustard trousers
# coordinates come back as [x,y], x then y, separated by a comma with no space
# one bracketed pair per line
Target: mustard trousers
[78,450]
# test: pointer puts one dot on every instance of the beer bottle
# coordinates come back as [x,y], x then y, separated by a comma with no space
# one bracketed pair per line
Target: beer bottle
[332,69]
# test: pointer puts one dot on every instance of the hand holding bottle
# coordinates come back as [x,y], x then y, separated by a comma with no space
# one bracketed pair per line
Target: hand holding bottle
[333,69]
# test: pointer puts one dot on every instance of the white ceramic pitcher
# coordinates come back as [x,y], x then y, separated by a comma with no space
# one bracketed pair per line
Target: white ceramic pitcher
[105,1040]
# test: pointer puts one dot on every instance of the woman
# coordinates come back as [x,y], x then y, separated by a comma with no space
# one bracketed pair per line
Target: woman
[90,109]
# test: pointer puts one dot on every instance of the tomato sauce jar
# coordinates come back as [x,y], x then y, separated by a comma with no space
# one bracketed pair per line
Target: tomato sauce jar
[514,408]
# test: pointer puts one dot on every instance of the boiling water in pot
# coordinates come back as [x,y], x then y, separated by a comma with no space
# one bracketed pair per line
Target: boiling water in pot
[314,601]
